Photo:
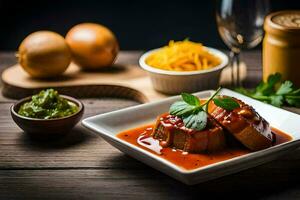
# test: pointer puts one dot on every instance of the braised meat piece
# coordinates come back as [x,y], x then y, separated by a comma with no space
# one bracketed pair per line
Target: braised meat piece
[171,132]
[245,124]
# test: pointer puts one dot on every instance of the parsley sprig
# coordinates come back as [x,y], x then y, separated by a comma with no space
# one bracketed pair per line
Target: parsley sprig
[274,92]
[194,113]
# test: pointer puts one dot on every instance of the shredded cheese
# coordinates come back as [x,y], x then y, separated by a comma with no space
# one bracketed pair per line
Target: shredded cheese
[183,56]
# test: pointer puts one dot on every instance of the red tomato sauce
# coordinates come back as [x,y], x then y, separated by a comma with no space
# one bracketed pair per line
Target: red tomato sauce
[141,137]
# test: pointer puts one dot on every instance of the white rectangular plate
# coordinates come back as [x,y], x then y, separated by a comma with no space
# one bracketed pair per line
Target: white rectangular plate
[109,124]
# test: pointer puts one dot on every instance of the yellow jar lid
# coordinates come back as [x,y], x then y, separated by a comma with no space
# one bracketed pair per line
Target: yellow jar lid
[283,22]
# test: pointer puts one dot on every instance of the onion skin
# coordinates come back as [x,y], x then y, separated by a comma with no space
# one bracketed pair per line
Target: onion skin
[93,46]
[44,54]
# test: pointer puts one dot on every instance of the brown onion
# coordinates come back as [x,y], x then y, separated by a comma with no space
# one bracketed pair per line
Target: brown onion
[92,45]
[44,54]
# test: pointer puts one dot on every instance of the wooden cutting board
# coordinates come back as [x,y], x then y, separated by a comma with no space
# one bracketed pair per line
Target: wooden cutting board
[117,81]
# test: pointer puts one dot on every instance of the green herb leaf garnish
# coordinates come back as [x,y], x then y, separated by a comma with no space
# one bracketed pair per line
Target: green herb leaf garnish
[190,99]
[194,114]
[180,108]
[285,88]
[196,121]
[227,103]
[274,92]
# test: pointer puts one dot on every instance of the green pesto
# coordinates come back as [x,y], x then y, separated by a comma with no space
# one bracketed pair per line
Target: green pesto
[47,105]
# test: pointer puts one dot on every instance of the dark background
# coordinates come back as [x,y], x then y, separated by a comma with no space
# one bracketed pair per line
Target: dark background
[137,24]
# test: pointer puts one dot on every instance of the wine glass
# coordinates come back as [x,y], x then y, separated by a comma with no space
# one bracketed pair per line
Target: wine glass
[240,25]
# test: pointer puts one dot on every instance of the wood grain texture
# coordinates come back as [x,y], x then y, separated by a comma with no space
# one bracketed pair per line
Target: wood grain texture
[83,166]
[79,148]
[275,180]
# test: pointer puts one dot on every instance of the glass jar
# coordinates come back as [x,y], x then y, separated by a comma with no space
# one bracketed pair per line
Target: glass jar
[281,45]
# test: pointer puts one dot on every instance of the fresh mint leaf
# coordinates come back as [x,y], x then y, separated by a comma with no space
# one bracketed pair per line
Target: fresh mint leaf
[190,99]
[227,103]
[194,114]
[285,88]
[196,121]
[180,108]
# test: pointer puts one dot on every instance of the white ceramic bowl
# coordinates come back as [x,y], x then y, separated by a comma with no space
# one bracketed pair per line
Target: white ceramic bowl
[174,82]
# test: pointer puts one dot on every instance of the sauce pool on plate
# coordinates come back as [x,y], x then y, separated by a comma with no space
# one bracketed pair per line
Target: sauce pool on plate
[141,137]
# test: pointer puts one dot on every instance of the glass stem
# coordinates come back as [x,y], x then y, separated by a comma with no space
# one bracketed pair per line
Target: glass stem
[231,68]
[237,64]
[235,68]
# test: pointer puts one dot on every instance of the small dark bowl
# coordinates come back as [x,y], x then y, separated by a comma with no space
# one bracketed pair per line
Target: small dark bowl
[45,128]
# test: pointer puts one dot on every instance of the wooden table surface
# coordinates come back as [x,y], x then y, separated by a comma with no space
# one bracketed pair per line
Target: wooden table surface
[83,166]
